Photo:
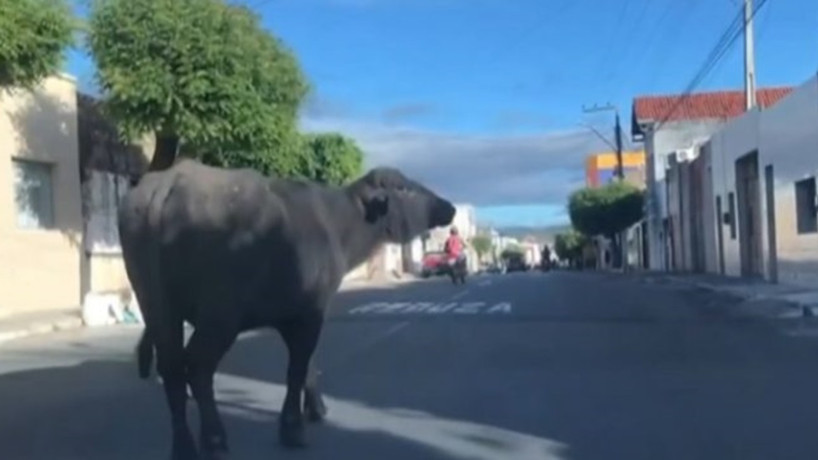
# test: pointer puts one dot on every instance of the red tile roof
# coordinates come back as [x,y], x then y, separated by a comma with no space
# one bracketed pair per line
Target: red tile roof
[717,104]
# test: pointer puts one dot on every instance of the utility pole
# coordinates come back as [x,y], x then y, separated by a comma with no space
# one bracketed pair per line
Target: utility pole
[620,170]
[749,57]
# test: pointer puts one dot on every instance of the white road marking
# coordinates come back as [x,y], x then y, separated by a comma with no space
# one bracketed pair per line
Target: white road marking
[460,294]
[471,308]
[502,307]
[430,308]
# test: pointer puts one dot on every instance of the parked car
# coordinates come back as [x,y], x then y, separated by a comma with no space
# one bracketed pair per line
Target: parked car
[433,264]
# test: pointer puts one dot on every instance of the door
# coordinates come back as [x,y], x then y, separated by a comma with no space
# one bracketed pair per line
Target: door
[749,215]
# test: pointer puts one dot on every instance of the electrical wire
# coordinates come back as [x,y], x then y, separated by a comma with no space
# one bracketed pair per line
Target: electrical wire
[724,44]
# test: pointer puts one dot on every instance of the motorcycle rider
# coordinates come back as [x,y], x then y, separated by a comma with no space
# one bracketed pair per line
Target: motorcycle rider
[455,246]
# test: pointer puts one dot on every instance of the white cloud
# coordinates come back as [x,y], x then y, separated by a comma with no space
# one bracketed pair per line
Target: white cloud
[484,170]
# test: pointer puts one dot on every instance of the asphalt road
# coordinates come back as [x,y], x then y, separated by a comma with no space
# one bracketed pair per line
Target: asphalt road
[523,366]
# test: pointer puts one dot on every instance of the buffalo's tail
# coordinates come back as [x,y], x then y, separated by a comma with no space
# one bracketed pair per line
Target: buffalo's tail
[144,355]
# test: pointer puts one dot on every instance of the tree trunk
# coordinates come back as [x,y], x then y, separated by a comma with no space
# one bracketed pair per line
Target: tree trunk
[164,154]
[616,250]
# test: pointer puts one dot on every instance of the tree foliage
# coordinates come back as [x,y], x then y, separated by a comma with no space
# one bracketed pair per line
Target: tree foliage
[33,36]
[331,158]
[511,251]
[606,210]
[569,245]
[481,244]
[202,72]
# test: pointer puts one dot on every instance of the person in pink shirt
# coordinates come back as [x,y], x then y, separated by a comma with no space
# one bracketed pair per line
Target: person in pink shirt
[454,245]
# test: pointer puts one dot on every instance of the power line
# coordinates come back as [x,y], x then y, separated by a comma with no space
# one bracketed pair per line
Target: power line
[718,52]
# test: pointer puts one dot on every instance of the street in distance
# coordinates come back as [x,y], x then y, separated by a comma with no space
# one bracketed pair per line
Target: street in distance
[432,308]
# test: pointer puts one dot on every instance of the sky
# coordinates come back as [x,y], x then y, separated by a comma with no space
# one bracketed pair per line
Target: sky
[482,99]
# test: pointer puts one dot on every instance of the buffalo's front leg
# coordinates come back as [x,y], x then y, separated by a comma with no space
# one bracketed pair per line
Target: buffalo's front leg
[301,336]
[314,407]
[205,349]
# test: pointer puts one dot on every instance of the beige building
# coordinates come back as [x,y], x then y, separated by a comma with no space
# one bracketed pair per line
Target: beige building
[61,162]
[40,207]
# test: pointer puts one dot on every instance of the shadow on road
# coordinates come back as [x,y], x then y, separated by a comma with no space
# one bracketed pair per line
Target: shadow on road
[99,410]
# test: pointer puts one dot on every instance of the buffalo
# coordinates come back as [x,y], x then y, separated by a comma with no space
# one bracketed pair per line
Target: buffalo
[231,250]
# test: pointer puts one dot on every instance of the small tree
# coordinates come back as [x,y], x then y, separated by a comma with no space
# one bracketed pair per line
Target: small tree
[33,36]
[199,71]
[331,158]
[569,246]
[512,250]
[606,211]
[482,245]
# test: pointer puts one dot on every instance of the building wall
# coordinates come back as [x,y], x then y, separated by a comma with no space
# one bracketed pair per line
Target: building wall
[733,141]
[600,168]
[789,141]
[659,144]
[786,138]
[41,266]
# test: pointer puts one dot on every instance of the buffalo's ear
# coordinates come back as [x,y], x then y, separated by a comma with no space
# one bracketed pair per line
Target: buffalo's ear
[376,205]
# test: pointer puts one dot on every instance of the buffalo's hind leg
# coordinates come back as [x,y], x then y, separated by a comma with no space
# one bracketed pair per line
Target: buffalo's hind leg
[301,337]
[314,407]
[170,362]
[205,349]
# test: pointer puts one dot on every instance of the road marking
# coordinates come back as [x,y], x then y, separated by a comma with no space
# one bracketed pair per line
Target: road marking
[430,308]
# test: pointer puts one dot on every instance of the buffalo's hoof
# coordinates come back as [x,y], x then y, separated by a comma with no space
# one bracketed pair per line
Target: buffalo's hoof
[315,409]
[292,435]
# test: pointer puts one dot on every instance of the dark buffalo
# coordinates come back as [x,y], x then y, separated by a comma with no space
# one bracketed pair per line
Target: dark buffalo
[232,250]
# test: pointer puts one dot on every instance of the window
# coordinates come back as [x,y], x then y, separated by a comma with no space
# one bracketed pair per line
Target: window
[805,206]
[33,194]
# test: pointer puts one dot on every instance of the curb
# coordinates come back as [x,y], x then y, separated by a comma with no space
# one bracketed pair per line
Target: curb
[41,327]
[800,309]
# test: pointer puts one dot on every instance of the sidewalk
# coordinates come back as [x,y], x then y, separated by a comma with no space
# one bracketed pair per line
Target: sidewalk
[16,326]
[780,300]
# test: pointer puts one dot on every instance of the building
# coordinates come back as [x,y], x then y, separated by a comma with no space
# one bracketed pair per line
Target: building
[744,202]
[41,222]
[58,237]
[600,168]
[669,124]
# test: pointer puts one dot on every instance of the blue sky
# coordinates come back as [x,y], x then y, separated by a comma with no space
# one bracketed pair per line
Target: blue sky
[482,98]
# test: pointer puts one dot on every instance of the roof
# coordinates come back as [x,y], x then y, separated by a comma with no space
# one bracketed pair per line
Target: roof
[700,106]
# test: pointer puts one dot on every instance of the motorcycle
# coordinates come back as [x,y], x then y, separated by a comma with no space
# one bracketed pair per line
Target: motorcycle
[457,270]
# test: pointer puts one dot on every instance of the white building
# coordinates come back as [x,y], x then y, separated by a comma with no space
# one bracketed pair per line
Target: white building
[694,120]
[748,204]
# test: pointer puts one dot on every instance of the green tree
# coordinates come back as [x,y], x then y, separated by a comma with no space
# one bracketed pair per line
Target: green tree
[569,245]
[481,244]
[512,250]
[199,72]
[33,36]
[606,211]
[331,158]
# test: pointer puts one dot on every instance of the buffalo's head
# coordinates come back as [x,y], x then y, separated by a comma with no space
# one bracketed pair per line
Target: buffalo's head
[401,207]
